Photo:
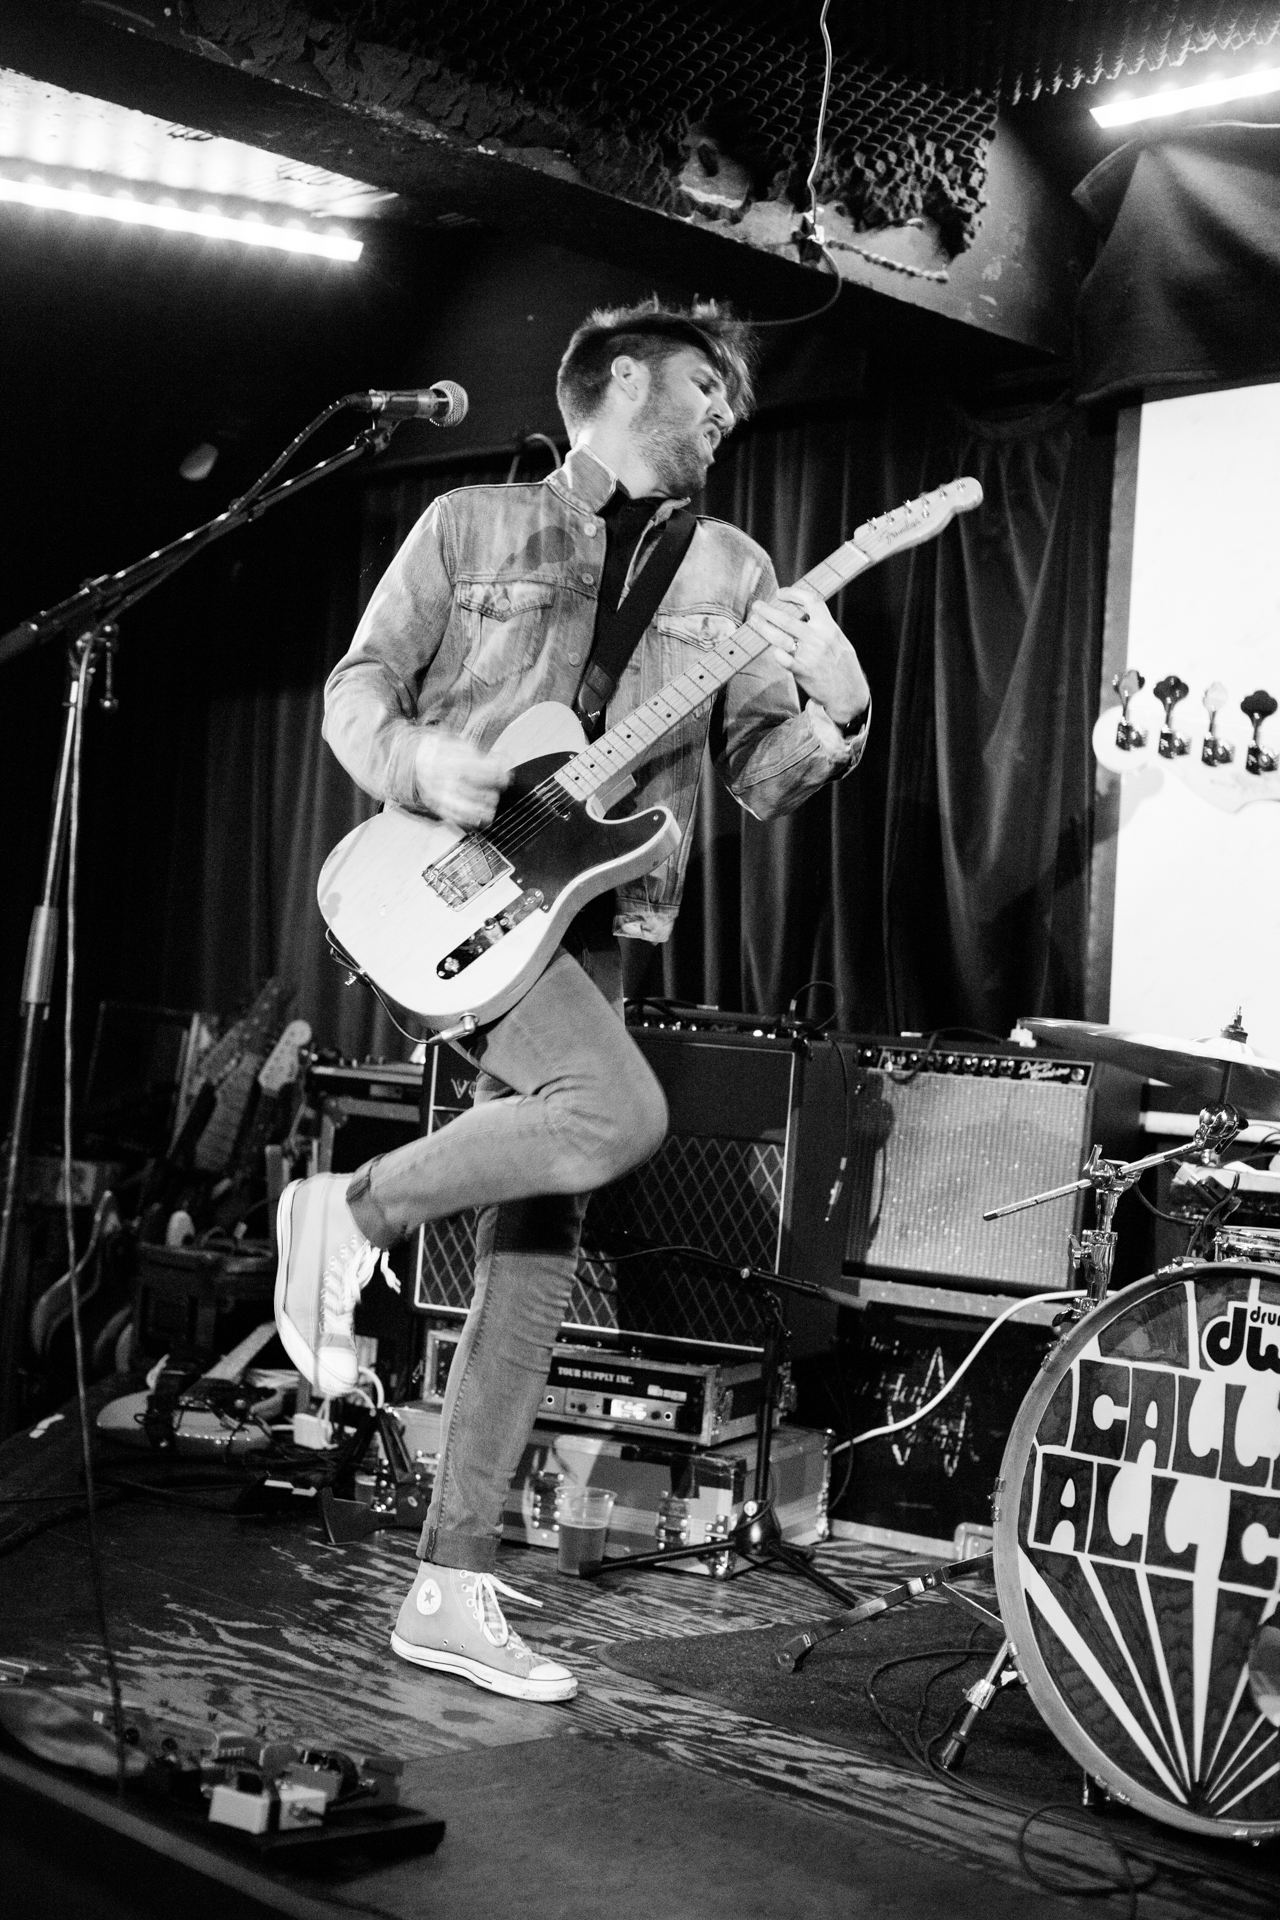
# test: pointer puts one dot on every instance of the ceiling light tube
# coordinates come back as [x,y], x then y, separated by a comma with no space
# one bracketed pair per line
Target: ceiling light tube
[1207,93]
[210,224]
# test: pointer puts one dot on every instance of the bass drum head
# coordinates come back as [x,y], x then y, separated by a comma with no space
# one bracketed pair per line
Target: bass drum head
[1137,1544]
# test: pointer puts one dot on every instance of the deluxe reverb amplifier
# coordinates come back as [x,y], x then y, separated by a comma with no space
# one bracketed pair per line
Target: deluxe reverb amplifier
[938,1136]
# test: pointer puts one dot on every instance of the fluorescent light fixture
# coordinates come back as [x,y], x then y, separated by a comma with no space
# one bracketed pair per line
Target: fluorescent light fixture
[1208,93]
[46,130]
[247,230]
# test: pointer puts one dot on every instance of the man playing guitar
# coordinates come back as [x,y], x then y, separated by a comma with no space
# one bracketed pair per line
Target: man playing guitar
[502,597]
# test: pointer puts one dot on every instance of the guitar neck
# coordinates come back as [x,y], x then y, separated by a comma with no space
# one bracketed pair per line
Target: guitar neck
[625,745]
[632,740]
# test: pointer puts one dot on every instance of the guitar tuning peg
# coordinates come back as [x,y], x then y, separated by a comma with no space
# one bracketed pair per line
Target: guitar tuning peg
[1215,752]
[1257,707]
[1129,738]
[1170,692]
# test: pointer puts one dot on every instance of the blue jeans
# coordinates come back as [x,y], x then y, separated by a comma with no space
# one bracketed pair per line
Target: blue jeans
[565,1102]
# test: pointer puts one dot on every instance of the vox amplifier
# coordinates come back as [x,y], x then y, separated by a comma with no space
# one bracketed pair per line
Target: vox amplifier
[749,1174]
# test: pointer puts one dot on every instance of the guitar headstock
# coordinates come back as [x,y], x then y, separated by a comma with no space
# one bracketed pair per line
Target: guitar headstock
[284,1062]
[919,520]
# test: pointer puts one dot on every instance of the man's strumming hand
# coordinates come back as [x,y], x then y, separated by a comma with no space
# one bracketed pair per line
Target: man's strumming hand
[456,780]
[809,644]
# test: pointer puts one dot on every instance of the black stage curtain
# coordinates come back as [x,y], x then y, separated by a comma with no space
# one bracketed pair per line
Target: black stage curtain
[941,884]
[944,882]
[1186,289]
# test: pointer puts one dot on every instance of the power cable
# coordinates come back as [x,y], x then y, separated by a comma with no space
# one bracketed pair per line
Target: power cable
[809,232]
[896,1426]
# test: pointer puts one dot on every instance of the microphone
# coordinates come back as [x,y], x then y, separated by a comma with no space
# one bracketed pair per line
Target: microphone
[445,404]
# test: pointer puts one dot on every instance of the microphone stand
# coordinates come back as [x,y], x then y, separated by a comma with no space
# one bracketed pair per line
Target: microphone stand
[88,619]
[757,1537]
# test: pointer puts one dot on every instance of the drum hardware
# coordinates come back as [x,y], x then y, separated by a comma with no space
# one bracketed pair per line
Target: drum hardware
[1093,1252]
[1261,1244]
[929,1580]
[1264,1672]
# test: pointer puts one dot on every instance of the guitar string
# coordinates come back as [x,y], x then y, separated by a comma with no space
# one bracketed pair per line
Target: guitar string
[539,802]
[514,829]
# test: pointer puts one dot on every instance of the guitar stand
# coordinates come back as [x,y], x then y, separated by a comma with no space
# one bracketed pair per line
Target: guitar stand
[757,1537]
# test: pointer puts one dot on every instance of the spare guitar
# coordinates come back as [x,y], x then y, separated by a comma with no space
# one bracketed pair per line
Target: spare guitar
[219,1414]
[457,926]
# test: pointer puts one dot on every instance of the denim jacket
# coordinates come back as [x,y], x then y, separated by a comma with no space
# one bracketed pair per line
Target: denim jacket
[490,606]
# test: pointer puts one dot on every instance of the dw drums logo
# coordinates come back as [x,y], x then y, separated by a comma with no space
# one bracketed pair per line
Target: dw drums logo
[1246,1331]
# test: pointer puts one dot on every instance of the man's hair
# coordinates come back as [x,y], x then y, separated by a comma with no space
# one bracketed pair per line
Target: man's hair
[651,332]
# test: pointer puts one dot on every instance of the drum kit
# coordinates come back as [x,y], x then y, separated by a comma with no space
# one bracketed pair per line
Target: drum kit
[1136,1517]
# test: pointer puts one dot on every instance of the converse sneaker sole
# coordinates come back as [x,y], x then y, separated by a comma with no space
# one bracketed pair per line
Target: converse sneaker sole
[303,1356]
[491,1678]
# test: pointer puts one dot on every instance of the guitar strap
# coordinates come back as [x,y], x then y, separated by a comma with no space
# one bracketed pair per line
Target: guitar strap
[618,630]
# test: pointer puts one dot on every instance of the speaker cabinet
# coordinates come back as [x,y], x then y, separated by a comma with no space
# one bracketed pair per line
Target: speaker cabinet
[749,1174]
[938,1138]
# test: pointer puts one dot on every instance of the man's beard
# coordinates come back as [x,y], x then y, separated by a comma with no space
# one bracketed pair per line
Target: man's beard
[677,454]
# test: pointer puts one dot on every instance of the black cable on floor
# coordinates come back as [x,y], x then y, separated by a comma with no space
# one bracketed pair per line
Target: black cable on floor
[921,1753]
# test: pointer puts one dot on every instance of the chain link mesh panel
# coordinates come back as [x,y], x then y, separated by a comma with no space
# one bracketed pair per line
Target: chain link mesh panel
[628,85]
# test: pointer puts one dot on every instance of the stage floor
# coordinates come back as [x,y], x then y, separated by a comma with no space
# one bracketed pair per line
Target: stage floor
[629,1800]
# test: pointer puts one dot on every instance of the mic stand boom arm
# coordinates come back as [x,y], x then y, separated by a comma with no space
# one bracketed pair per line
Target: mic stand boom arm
[87,617]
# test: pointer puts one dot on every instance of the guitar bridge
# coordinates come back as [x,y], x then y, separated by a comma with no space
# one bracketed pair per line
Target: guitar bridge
[489,933]
[466,870]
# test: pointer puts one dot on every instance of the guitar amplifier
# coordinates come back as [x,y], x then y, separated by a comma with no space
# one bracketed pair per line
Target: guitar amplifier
[749,1174]
[940,1136]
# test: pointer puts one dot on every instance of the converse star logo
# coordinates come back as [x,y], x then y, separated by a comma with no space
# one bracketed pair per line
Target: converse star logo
[427,1599]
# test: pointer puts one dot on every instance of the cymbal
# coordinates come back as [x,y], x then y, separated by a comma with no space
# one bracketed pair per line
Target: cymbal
[1204,1070]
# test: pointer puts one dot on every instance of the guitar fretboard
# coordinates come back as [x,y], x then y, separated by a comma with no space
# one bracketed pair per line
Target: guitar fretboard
[633,739]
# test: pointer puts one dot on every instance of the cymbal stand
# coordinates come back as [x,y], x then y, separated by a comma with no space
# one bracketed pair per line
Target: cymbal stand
[1093,1252]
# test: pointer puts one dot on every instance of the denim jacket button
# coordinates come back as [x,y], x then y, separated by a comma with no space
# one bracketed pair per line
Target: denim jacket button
[586,577]
[592,528]
[573,658]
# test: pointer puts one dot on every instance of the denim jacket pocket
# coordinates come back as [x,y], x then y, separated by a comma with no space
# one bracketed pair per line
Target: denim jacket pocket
[504,624]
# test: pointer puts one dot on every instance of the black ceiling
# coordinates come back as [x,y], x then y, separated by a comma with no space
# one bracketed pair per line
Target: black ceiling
[1023,48]
[1015,48]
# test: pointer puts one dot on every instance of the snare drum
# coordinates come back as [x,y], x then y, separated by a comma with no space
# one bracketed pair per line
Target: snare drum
[1137,1543]
[1252,1244]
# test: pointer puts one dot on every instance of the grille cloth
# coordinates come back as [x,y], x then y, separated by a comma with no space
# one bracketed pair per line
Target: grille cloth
[722,1196]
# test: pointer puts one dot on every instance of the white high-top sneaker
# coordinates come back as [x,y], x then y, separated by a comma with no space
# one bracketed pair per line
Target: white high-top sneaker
[451,1622]
[325,1263]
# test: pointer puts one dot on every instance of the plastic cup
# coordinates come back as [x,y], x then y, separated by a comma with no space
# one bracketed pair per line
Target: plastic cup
[583,1514]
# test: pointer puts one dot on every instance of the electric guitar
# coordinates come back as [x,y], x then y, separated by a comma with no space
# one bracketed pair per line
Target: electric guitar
[457,926]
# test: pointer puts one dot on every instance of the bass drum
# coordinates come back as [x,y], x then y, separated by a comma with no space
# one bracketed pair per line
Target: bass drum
[1137,1543]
